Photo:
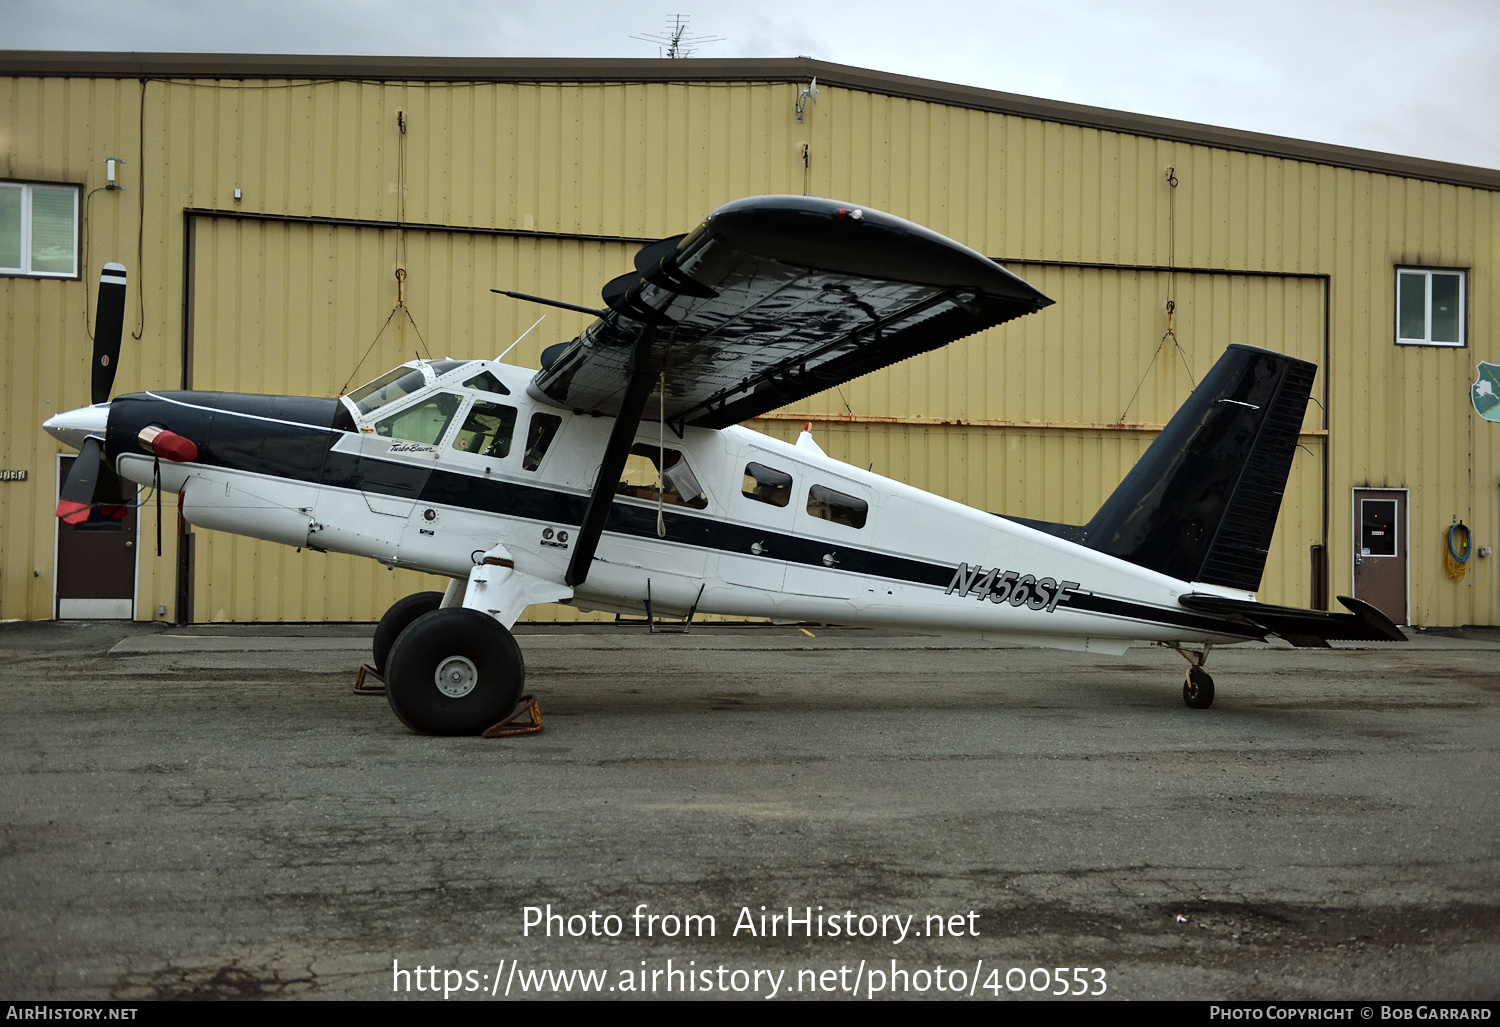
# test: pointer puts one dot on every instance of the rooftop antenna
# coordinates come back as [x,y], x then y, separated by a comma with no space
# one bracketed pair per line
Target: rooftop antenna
[519,338]
[809,92]
[676,43]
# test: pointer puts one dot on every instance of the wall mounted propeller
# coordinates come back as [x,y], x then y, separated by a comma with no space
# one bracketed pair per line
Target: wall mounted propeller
[92,498]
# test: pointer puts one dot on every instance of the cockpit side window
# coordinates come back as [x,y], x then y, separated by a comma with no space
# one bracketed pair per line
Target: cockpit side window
[767,485]
[837,507]
[487,430]
[424,422]
[543,430]
[388,388]
[486,382]
[673,482]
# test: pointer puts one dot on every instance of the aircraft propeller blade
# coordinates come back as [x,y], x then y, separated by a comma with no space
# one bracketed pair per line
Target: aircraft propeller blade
[92,497]
[109,324]
[77,495]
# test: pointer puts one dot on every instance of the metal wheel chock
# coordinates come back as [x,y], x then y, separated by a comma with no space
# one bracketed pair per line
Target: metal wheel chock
[527,708]
[368,681]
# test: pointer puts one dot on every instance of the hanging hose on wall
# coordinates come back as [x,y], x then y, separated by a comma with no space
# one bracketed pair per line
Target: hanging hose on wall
[1460,546]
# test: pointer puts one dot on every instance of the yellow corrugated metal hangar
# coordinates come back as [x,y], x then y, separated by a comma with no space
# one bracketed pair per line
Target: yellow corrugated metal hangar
[302,224]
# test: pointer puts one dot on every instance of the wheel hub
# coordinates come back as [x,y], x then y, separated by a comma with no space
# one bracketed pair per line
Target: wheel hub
[456,676]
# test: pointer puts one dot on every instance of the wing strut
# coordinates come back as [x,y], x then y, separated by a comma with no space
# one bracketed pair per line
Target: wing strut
[632,406]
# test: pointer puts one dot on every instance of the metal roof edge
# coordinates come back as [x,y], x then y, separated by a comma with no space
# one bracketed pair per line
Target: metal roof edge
[99,64]
[1170,129]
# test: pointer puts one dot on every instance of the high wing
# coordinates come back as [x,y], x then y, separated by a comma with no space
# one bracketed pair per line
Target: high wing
[770,300]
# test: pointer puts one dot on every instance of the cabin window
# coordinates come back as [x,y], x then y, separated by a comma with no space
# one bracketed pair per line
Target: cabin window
[425,422]
[767,485]
[388,388]
[1429,307]
[543,430]
[676,484]
[486,382]
[38,230]
[487,430]
[837,507]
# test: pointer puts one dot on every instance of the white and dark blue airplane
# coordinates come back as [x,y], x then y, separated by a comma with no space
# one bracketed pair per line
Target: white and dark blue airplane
[617,477]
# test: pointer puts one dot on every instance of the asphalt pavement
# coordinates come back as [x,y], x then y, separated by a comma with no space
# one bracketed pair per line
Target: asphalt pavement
[211,812]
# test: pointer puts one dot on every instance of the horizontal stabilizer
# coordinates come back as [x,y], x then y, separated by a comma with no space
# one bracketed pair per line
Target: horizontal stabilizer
[1303,628]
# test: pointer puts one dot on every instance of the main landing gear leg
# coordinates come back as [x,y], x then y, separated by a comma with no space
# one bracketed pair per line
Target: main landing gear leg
[1197,686]
[456,669]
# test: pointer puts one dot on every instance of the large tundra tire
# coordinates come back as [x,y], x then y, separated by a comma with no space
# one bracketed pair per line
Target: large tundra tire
[454,672]
[401,613]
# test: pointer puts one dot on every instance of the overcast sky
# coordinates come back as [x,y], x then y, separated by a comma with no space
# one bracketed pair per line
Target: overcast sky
[1421,79]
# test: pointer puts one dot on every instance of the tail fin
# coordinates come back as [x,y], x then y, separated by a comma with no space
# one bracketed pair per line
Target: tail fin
[1201,504]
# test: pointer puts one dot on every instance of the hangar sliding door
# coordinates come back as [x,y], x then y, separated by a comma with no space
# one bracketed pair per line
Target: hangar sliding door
[310,309]
[1044,416]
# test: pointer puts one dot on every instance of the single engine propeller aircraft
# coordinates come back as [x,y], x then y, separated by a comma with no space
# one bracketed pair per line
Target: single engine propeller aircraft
[616,478]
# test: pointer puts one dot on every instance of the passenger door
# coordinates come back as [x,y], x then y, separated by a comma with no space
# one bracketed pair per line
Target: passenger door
[833,514]
[764,500]
[645,489]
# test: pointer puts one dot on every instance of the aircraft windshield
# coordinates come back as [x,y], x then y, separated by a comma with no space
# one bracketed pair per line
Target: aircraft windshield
[388,388]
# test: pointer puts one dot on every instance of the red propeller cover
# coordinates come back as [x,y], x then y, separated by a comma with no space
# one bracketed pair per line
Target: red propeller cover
[72,511]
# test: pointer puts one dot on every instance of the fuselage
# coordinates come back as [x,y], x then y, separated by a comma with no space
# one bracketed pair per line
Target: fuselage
[447,459]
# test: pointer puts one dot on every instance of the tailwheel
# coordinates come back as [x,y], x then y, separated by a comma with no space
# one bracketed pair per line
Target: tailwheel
[454,671]
[1198,688]
[395,621]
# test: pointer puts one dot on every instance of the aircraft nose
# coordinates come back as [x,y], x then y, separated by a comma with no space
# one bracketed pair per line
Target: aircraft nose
[72,427]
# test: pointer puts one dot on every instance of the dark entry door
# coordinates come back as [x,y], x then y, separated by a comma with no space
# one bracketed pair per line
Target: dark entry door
[1380,532]
[96,564]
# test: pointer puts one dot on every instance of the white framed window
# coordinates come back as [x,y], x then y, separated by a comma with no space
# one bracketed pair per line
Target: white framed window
[1430,306]
[38,230]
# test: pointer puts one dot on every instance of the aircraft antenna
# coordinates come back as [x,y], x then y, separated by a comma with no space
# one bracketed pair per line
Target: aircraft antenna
[675,43]
[520,337]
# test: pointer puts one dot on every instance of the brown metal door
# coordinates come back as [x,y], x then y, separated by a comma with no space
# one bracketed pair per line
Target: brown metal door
[1380,532]
[96,564]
